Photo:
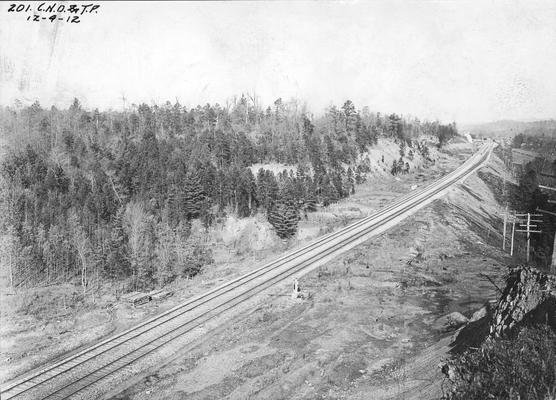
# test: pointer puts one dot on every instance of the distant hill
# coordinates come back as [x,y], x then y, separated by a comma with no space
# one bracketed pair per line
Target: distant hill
[508,128]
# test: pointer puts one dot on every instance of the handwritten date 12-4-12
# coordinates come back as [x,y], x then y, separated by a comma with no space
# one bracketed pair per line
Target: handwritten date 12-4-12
[54,11]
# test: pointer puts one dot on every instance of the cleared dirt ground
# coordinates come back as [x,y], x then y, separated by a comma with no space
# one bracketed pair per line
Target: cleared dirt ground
[374,326]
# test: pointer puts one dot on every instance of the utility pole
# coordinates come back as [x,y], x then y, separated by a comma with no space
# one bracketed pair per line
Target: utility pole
[513,233]
[526,227]
[528,235]
[505,221]
[553,265]
[509,219]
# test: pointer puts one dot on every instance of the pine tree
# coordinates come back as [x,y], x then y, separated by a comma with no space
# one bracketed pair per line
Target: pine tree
[350,116]
[118,259]
[267,188]
[165,254]
[310,203]
[350,181]
[248,193]
[284,218]
[193,196]
[360,175]
[400,165]
[328,192]
[394,170]
[262,189]
[331,152]
[338,183]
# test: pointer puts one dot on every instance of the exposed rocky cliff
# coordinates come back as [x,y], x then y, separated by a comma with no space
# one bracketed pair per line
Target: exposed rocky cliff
[529,296]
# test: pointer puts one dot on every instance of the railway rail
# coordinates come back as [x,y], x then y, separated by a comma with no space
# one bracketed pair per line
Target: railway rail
[80,371]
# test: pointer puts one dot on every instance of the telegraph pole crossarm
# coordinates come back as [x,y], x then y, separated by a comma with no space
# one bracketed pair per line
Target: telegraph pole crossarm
[547,212]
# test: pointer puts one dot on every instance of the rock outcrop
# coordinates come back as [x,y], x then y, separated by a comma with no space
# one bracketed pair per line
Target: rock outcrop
[529,296]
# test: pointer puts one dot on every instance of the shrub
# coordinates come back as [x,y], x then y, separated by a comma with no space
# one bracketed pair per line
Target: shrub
[197,257]
[522,366]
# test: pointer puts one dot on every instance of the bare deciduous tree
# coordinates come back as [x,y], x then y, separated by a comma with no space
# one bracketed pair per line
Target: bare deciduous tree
[83,247]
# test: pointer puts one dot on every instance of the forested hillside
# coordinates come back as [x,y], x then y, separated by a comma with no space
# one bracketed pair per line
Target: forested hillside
[111,195]
[546,128]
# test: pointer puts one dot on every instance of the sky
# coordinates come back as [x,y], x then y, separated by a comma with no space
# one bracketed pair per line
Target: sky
[463,61]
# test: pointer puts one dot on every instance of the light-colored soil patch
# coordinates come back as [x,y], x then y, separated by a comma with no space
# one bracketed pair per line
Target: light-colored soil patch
[213,369]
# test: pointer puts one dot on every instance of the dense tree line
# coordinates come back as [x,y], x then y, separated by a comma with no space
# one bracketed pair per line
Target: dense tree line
[532,199]
[527,196]
[114,194]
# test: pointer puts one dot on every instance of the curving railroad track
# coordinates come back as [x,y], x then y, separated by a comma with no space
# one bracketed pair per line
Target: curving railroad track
[79,372]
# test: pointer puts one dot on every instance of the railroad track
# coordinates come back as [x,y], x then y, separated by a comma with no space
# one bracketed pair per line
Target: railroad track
[78,372]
